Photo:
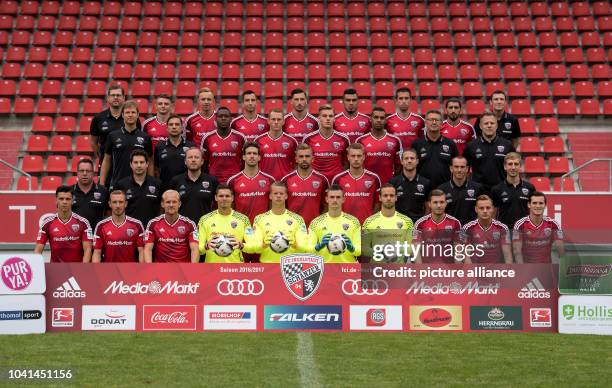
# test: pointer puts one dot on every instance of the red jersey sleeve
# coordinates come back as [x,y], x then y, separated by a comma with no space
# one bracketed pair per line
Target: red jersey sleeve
[43,236]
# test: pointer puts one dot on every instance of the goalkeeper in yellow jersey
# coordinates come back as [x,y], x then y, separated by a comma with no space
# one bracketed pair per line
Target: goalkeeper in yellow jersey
[385,229]
[278,231]
[225,233]
[336,235]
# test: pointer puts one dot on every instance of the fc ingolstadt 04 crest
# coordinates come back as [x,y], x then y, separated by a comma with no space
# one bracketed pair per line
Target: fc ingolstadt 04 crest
[302,274]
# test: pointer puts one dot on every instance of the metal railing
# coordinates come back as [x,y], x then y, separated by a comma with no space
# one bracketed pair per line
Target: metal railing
[588,164]
[7,164]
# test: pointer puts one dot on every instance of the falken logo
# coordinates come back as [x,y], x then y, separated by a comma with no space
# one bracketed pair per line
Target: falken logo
[154,287]
[305,317]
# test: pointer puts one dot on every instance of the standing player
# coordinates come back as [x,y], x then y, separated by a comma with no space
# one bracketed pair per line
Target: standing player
[306,186]
[412,188]
[459,131]
[298,122]
[486,154]
[171,238]
[89,199]
[329,147]
[222,147]
[382,150]
[68,233]
[227,222]
[197,189]
[278,226]
[386,227]
[277,148]
[511,196]
[118,238]
[157,126]
[169,155]
[406,125]
[437,233]
[435,151]
[202,121]
[461,192]
[492,235]
[507,125]
[249,123]
[534,236]
[251,186]
[332,224]
[351,123]
[360,186]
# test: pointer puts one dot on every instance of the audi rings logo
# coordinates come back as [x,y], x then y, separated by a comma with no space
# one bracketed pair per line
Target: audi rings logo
[364,287]
[244,287]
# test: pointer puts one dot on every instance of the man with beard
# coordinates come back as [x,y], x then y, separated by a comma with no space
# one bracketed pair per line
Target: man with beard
[298,122]
[459,131]
[250,123]
[170,154]
[351,122]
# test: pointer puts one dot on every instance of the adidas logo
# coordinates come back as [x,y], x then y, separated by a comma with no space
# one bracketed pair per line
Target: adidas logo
[69,289]
[534,290]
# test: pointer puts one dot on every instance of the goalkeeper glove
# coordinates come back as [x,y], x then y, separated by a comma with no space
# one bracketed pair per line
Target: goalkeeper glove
[348,242]
[323,243]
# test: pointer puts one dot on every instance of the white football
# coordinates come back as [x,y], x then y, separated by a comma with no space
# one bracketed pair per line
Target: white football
[221,245]
[279,243]
[336,244]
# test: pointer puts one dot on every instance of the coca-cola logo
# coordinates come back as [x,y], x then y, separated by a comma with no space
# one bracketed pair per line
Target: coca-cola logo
[435,317]
[169,318]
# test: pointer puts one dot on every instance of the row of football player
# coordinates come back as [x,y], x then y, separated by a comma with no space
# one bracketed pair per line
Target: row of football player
[221,137]
[223,235]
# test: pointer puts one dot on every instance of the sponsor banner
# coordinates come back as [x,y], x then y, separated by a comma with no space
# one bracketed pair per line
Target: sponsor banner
[165,295]
[230,317]
[22,212]
[376,317]
[540,317]
[22,314]
[585,275]
[585,314]
[22,274]
[108,317]
[169,317]
[496,318]
[436,318]
[303,317]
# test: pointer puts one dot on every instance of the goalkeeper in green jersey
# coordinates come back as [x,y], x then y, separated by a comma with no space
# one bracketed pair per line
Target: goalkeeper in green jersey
[383,230]
[336,235]
[225,233]
[278,231]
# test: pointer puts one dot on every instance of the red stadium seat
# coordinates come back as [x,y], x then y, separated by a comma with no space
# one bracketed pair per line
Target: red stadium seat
[517,89]
[508,56]
[558,165]
[428,90]
[317,72]
[336,55]
[604,89]
[32,164]
[143,71]
[8,88]
[447,72]
[273,89]
[556,72]
[272,72]
[530,145]
[521,107]
[488,55]
[579,72]
[535,165]
[474,107]
[596,55]
[574,55]
[183,106]
[317,89]
[383,89]
[589,107]
[46,106]
[491,72]
[472,90]
[22,183]
[469,72]
[491,86]
[275,55]
[554,145]
[70,106]
[57,164]
[381,72]
[425,72]
[584,89]
[37,144]
[42,124]
[402,56]
[364,89]
[544,108]
[540,183]
[254,86]
[84,124]
[566,107]
[65,124]
[295,56]
[561,89]
[547,39]
[93,106]
[422,56]
[445,56]
[61,144]
[51,88]
[548,126]
[359,56]
[512,72]
[539,89]
[450,89]
[296,72]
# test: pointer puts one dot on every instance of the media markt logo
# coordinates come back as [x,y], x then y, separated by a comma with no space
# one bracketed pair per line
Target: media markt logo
[69,289]
[496,318]
[154,287]
[454,288]
[534,290]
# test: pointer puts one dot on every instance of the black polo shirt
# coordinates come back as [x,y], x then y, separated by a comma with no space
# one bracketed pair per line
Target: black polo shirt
[119,145]
[487,160]
[511,201]
[143,200]
[435,158]
[461,200]
[90,205]
[196,196]
[411,195]
[507,127]
[170,159]
[103,124]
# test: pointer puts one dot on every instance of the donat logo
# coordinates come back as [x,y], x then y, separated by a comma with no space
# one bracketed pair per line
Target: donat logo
[302,274]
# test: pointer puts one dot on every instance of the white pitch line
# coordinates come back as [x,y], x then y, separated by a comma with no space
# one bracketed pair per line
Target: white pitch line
[309,373]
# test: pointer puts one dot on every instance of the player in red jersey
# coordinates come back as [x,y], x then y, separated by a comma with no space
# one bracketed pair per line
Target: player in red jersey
[351,122]
[459,131]
[157,126]
[277,148]
[329,146]
[171,237]
[298,122]
[492,236]
[306,187]
[534,236]
[360,186]
[222,148]
[68,233]
[202,121]
[251,186]
[437,233]
[382,149]
[406,125]
[249,123]
[118,238]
